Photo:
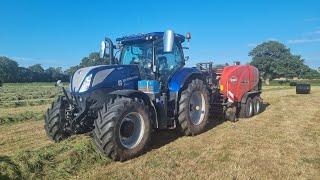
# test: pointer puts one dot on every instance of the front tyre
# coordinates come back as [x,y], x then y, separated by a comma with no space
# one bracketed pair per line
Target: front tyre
[122,129]
[55,120]
[194,108]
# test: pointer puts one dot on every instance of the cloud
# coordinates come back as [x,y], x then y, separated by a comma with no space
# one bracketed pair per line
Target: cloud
[312,19]
[252,44]
[316,32]
[27,61]
[303,41]
[256,44]
[272,39]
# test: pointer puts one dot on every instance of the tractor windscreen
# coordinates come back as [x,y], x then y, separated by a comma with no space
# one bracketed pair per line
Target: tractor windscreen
[137,54]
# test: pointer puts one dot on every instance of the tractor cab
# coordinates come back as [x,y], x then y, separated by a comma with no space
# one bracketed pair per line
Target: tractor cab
[158,55]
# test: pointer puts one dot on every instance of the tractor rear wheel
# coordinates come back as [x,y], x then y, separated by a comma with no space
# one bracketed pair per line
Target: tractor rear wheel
[55,120]
[194,108]
[247,109]
[122,129]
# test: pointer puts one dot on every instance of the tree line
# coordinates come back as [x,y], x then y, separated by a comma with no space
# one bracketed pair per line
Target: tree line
[272,58]
[275,60]
[11,72]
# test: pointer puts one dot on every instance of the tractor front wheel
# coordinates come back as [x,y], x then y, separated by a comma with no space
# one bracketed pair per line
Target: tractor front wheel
[55,120]
[194,108]
[122,129]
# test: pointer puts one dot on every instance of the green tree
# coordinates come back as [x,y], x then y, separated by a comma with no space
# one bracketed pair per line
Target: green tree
[55,74]
[25,75]
[37,68]
[274,60]
[72,70]
[92,60]
[8,69]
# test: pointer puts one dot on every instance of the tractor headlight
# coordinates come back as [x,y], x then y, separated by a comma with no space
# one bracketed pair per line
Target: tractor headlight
[86,84]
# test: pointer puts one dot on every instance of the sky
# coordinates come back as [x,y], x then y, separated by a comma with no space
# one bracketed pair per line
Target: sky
[62,32]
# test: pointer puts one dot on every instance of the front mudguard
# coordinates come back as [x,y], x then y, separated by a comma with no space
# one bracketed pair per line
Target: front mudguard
[144,97]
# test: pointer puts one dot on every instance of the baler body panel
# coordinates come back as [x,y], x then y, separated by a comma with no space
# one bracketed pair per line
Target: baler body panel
[238,80]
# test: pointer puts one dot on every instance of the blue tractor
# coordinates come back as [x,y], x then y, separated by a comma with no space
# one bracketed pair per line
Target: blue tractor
[146,88]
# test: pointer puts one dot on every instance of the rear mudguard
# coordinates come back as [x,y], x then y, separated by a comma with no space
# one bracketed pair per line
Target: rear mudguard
[248,94]
[144,97]
[180,77]
[180,80]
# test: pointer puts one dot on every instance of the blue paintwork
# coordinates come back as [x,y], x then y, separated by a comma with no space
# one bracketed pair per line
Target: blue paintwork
[146,37]
[179,77]
[122,77]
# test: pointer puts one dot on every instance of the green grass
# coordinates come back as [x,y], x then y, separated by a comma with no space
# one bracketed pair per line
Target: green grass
[281,143]
[315,82]
[54,161]
[25,101]
[23,94]
[27,115]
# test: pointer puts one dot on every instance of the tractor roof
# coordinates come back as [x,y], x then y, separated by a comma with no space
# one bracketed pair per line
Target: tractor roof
[146,37]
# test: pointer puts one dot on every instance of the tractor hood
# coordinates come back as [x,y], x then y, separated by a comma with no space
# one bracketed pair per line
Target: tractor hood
[103,77]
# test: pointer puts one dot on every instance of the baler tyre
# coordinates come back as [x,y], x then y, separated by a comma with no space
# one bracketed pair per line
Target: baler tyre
[246,110]
[194,108]
[123,128]
[256,105]
[55,120]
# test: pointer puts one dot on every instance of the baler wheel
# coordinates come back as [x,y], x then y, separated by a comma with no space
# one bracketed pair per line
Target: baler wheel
[194,108]
[123,128]
[247,109]
[55,120]
[257,105]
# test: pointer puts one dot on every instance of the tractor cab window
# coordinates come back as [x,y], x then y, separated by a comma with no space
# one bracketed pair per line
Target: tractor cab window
[168,62]
[141,55]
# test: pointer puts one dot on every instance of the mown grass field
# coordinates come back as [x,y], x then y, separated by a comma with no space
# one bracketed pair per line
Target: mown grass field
[283,142]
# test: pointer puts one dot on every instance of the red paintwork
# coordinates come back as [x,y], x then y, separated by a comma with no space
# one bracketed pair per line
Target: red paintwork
[239,80]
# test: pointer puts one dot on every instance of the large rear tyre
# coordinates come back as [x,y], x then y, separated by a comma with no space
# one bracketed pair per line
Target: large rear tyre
[247,109]
[55,120]
[122,129]
[194,108]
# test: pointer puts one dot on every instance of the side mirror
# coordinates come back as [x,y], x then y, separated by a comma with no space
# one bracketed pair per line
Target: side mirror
[103,49]
[188,36]
[168,39]
[106,48]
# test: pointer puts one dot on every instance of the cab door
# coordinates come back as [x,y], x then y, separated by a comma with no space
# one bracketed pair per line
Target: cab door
[168,63]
